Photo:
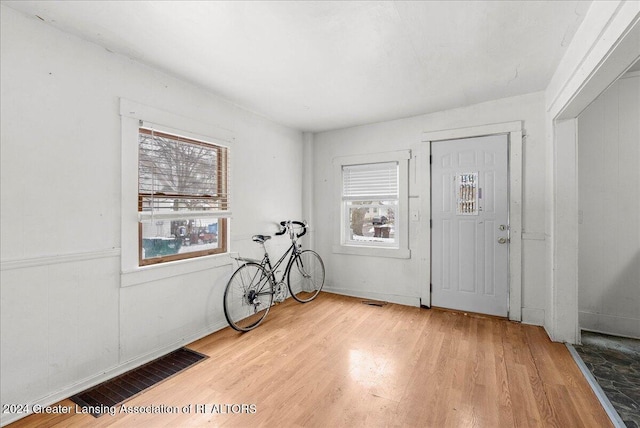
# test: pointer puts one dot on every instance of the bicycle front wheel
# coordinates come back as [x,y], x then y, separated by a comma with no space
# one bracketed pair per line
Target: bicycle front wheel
[248,297]
[306,276]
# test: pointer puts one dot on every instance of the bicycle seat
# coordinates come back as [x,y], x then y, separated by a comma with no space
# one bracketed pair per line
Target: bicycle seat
[260,238]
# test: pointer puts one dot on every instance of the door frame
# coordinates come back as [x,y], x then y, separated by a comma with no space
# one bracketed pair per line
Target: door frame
[514,133]
[590,70]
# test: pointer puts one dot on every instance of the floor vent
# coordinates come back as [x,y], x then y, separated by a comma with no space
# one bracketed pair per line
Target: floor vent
[374,303]
[102,398]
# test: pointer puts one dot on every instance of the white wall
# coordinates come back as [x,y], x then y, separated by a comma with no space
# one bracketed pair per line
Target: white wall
[609,210]
[66,321]
[397,280]
[605,45]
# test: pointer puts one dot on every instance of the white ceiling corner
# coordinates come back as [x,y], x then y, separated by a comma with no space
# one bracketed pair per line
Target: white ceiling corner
[320,65]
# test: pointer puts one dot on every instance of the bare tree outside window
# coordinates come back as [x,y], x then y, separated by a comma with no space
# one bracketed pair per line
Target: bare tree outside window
[180,175]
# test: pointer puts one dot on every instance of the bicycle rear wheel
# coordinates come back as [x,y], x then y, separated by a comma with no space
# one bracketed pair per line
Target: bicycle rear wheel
[248,297]
[306,276]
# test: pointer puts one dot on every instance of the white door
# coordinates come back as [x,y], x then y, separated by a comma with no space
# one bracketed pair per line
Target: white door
[469,237]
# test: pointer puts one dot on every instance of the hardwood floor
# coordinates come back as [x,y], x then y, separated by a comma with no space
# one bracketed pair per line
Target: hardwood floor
[339,362]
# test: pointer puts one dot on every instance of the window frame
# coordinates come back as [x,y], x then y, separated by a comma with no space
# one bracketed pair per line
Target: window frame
[222,170]
[341,244]
[131,113]
[354,175]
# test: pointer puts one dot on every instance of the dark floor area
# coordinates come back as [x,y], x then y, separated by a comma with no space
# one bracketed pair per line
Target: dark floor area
[615,363]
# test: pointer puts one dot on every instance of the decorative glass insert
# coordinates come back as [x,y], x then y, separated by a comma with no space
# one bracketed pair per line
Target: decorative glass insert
[467,197]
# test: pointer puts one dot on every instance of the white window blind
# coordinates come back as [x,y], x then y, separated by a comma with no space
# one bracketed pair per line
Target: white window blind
[181,177]
[370,181]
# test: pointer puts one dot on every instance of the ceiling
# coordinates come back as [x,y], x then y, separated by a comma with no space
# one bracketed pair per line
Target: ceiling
[320,65]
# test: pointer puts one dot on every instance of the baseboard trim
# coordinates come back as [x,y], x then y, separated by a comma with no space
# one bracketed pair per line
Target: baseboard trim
[110,373]
[391,298]
[612,324]
[533,316]
[608,333]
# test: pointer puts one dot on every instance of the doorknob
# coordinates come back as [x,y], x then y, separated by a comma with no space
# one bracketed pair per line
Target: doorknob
[502,240]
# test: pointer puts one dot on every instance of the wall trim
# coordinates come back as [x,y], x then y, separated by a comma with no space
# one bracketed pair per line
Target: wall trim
[472,131]
[631,74]
[391,298]
[58,259]
[532,236]
[582,329]
[587,51]
[533,316]
[169,270]
[112,372]
[602,323]
[607,58]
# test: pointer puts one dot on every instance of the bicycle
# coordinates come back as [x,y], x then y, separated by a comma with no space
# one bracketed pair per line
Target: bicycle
[253,287]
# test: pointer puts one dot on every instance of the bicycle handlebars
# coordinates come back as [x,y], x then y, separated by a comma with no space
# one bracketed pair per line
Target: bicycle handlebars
[284,225]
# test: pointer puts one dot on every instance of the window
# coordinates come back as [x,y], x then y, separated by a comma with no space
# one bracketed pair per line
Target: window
[183,197]
[373,197]
[370,198]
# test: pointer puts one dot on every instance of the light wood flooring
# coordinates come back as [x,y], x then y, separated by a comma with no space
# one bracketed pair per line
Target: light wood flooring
[336,362]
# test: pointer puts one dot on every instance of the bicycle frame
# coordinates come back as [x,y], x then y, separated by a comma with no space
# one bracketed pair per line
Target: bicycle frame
[266,262]
[292,251]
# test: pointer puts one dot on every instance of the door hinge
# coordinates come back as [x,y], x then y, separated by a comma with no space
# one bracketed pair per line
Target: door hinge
[430,224]
[430,159]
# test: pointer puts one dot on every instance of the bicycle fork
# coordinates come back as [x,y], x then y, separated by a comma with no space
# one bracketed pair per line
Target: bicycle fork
[300,267]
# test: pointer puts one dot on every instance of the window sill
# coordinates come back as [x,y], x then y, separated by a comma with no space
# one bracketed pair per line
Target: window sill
[395,253]
[144,274]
